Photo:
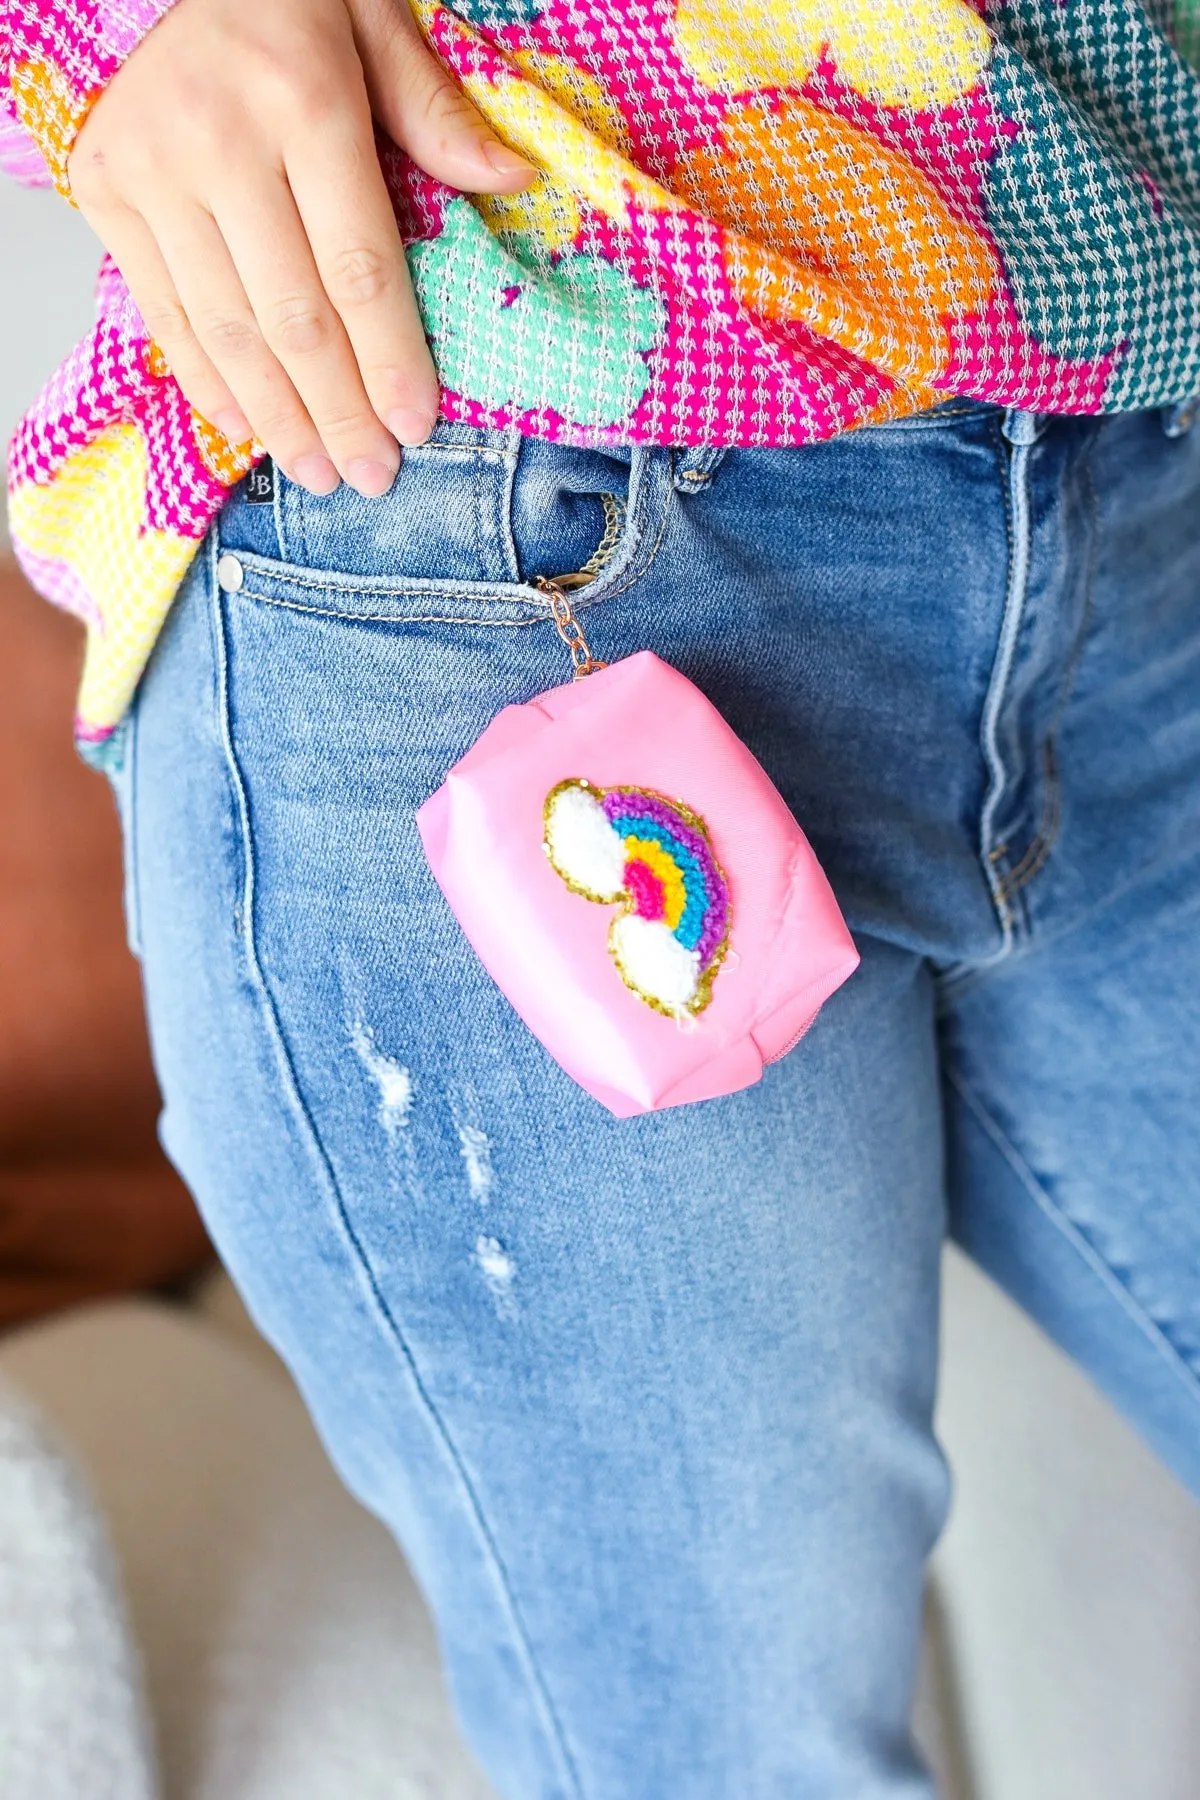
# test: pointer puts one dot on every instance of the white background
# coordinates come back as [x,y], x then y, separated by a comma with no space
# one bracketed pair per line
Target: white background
[48,262]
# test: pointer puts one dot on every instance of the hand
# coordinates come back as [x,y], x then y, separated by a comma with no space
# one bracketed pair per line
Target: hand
[230,171]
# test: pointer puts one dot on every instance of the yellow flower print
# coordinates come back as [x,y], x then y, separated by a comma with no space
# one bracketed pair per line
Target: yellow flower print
[541,128]
[547,210]
[914,53]
[90,520]
[579,92]
[544,211]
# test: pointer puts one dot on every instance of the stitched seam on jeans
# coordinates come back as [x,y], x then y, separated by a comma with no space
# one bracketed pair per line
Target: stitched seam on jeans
[641,564]
[475,492]
[1010,624]
[544,1709]
[636,518]
[959,978]
[508,542]
[231,823]
[1077,1239]
[1038,852]
[391,618]
[610,546]
[281,537]
[490,500]
[330,582]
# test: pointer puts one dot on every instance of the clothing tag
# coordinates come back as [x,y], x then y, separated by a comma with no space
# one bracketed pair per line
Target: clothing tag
[260,483]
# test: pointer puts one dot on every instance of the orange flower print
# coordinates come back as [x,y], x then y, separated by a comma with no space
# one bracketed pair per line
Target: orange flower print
[851,211]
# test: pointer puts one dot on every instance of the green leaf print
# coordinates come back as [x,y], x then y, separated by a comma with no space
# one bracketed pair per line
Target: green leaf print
[494,15]
[571,335]
[1187,30]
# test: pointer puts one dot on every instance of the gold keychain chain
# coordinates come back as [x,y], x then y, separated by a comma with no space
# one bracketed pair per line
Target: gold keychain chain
[555,589]
[569,629]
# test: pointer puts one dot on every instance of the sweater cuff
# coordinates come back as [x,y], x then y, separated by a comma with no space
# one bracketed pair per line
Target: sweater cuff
[56,59]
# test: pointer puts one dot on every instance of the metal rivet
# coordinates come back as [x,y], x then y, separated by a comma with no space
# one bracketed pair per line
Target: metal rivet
[1179,420]
[230,574]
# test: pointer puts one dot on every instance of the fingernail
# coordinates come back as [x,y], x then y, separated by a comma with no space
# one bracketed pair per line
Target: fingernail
[506,161]
[316,473]
[409,425]
[234,426]
[370,478]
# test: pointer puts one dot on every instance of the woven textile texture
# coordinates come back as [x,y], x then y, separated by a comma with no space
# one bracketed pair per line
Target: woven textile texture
[756,223]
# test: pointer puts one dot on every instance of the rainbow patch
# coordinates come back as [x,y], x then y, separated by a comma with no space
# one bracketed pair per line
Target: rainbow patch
[655,857]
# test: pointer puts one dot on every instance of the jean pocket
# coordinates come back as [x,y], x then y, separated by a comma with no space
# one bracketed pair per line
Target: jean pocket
[474,523]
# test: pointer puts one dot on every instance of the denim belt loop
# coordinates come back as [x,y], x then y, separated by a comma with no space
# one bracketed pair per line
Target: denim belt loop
[1021,427]
[1178,420]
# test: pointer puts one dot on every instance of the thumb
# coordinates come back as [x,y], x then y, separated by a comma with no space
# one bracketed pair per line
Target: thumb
[424,111]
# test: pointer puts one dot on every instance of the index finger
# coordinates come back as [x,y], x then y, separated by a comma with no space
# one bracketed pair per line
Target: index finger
[343,202]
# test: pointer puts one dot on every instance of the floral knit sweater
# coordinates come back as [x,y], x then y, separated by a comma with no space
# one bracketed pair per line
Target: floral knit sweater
[757,222]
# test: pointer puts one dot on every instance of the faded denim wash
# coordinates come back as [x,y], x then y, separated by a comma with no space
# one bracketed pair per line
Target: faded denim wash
[648,1403]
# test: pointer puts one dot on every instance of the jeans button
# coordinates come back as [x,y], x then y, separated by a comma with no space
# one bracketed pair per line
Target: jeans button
[230,574]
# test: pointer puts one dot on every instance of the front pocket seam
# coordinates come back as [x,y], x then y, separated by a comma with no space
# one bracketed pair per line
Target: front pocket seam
[472,595]
[542,616]
[333,581]
[392,618]
[642,566]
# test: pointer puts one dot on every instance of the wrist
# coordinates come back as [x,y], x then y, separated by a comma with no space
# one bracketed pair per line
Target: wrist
[59,60]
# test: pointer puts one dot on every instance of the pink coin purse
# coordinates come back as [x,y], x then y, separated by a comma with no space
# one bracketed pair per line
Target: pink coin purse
[637,887]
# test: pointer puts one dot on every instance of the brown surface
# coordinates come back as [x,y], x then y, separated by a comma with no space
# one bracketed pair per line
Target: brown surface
[88,1203]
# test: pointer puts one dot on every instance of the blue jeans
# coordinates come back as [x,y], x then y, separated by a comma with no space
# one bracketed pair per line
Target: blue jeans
[648,1402]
